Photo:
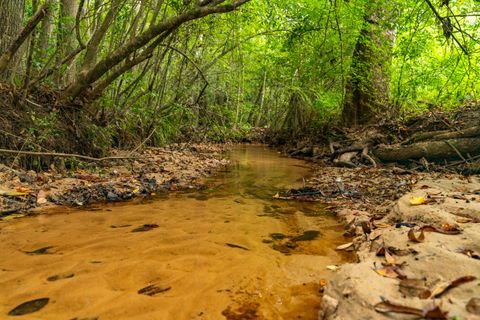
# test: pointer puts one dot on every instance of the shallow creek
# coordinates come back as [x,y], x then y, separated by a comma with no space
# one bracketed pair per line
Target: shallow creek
[229,251]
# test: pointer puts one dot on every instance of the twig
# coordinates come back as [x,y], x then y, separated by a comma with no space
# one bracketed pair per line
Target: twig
[63,155]
[456,150]
[368,158]
[143,142]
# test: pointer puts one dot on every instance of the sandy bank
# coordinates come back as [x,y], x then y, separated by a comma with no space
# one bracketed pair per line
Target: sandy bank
[414,273]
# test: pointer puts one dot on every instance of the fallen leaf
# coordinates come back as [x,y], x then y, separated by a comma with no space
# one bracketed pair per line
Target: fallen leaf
[430,312]
[232,245]
[414,238]
[345,246]
[60,276]
[389,258]
[444,286]
[152,290]
[416,201]
[393,272]
[473,306]
[23,190]
[433,311]
[145,227]
[333,267]
[9,193]
[387,307]
[44,250]
[414,288]
[29,307]
[444,228]
[470,253]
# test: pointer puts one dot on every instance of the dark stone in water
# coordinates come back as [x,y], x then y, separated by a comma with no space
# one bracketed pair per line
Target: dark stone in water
[145,227]
[277,236]
[29,307]
[267,241]
[308,235]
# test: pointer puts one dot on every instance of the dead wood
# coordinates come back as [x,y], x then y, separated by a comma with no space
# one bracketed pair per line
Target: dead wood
[443,135]
[64,155]
[435,150]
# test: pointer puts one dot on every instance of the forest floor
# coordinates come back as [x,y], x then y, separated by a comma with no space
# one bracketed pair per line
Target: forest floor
[417,240]
[414,225]
[176,167]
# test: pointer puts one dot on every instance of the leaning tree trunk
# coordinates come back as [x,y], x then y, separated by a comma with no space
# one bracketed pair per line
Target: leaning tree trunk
[66,39]
[367,88]
[11,17]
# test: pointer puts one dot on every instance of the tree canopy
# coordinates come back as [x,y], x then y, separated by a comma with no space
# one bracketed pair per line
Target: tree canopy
[170,69]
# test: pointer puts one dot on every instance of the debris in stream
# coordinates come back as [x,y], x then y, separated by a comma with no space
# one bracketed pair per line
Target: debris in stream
[247,311]
[153,289]
[60,276]
[277,236]
[232,245]
[29,307]
[44,250]
[308,235]
[145,227]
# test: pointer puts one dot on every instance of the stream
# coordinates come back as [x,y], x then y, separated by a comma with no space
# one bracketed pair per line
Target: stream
[229,251]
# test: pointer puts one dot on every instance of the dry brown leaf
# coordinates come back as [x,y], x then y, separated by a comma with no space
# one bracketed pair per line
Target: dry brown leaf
[345,246]
[393,272]
[444,286]
[472,254]
[414,238]
[444,229]
[389,258]
[414,288]
[387,307]
[430,312]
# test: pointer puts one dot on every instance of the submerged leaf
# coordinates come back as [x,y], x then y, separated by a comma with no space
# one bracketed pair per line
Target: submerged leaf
[29,307]
[152,290]
[145,227]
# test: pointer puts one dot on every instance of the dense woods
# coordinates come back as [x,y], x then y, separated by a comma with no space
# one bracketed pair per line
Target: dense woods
[121,71]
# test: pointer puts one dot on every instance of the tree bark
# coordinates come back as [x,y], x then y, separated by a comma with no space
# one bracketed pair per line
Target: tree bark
[431,150]
[47,29]
[367,88]
[11,17]
[66,39]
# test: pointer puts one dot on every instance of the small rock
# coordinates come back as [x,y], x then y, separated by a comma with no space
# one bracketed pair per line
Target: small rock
[328,308]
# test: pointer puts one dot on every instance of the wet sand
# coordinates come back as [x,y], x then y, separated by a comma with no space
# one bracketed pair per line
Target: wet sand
[210,254]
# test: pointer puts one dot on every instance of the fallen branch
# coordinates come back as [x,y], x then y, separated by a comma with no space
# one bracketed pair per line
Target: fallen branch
[430,150]
[64,155]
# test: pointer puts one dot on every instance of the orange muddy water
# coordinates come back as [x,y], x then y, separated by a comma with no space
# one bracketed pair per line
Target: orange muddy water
[228,252]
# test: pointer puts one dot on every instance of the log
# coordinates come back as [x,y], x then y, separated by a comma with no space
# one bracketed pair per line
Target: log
[444,134]
[435,151]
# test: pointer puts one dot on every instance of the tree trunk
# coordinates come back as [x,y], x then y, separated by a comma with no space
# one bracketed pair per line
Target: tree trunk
[66,39]
[367,88]
[47,29]
[11,17]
